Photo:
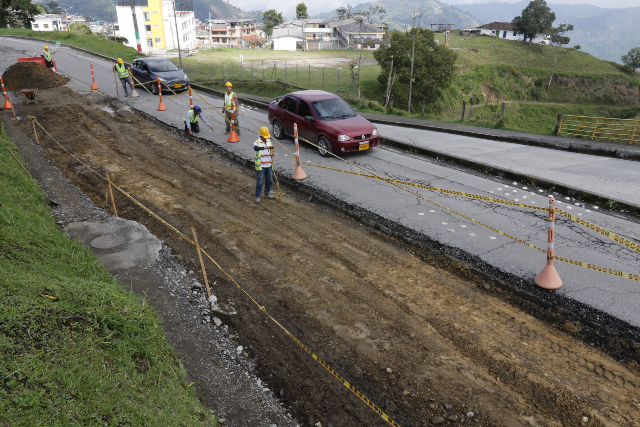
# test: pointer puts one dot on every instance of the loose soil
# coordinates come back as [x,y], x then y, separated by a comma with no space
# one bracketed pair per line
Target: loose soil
[422,337]
[30,75]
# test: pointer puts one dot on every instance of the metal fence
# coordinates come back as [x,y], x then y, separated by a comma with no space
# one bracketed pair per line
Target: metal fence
[600,128]
[299,74]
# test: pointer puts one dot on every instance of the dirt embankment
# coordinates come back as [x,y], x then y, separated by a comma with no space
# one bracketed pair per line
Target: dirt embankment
[419,335]
[30,75]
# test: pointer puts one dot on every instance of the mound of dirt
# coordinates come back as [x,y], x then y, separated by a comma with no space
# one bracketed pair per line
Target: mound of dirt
[30,75]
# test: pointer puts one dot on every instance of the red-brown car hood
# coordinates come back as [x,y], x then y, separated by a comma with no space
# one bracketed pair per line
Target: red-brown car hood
[351,126]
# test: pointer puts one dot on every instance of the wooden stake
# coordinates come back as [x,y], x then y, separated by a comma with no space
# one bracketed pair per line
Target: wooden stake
[35,132]
[17,161]
[204,271]
[113,201]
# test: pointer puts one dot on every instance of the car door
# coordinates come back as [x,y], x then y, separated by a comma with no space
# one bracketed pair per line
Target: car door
[287,113]
[307,129]
[136,69]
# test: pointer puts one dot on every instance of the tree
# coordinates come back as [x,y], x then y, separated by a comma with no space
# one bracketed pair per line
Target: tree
[17,13]
[301,11]
[559,39]
[434,65]
[82,29]
[271,18]
[53,6]
[632,59]
[535,18]
[361,17]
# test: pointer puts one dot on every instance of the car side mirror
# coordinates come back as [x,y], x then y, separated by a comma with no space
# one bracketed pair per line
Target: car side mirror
[310,119]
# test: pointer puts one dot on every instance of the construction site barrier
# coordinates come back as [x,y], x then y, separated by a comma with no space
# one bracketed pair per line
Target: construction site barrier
[161,106]
[601,128]
[94,86]
[7,103]
[298,172]
[262,308]
[548,277]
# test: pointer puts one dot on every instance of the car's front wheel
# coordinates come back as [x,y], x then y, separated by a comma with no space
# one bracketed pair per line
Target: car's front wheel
[278,130]
[154,88]
[324,147]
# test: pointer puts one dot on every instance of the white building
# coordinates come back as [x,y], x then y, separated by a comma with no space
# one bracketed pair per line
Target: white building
[505,31]
[157,24]
[47,22]
[287,37]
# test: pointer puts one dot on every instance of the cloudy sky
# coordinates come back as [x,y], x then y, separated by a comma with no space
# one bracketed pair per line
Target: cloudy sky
[288,7]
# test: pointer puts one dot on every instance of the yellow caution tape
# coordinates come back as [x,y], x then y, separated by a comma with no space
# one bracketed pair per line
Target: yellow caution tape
[606,233]
[605,270]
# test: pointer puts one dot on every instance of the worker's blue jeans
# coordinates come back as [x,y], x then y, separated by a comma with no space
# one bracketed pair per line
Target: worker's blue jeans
[126,81]
[265,175]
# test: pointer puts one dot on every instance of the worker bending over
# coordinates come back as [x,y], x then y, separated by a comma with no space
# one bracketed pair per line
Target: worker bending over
[191,122]
[48,57]
[231,106]
[124,74]
[264,172]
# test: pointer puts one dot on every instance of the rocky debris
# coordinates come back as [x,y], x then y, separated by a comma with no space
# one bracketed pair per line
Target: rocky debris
[30,75]
[437,419]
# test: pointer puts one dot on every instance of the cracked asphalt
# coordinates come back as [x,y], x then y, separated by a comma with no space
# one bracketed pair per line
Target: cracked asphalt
[613,295]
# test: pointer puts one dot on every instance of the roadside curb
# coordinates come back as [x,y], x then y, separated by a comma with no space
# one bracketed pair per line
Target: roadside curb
[511,174]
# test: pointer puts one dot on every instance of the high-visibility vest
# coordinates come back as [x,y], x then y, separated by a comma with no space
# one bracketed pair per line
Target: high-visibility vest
[123,73]
[263,157]
[47,56]
[193,118]
[227,101]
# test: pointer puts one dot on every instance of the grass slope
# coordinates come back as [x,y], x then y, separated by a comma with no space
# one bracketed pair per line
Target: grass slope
[91,43]
[95,356]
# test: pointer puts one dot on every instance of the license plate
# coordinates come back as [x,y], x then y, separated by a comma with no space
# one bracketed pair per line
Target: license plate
[363,147]
[178,86]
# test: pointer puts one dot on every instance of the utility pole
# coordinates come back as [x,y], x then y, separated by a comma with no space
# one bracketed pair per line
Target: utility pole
[175,19]
[135,25]
[413,52]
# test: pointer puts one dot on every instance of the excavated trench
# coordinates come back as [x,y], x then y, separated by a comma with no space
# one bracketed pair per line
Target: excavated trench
[427,338]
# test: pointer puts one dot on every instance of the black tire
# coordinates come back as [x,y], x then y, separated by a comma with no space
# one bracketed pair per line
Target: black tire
[324,147]
[154,88]
[278,130]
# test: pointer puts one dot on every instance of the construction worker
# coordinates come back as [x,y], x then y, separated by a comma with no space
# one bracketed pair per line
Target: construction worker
[231,106]
[124,74]
[263,159]
[191,122]
[48,57]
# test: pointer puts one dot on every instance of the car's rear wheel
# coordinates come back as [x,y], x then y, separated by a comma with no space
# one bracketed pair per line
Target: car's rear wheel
[278,130]
[324,147]
[154,88]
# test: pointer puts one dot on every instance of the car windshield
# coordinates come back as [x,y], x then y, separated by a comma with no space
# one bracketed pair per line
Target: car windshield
[332,108]
[160,66]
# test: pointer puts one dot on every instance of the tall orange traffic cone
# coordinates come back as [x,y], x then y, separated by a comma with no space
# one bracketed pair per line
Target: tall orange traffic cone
[549,277]
[298,172]
[94,86]
[7,103]
[161,107]
[233,136]
[190,98]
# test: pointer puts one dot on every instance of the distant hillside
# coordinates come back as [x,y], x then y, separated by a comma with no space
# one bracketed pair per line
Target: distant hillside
[505,12]
[434,12]
[100,9]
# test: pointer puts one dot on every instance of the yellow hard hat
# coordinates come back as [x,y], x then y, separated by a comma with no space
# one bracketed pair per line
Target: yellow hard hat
[119,60]
[264,132]
[46,48]
[228,84]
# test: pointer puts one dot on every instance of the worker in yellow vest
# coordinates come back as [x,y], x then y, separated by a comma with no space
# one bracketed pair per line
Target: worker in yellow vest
[124,74]
[264,161]
[48,57]
[231,106]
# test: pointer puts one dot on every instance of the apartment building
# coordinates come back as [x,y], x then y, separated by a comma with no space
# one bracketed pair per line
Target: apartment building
[229,33]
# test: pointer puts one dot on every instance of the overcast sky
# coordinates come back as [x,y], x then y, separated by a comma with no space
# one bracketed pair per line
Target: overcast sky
[288,7]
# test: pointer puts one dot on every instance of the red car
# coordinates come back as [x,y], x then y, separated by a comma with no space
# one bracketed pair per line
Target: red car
[323,118]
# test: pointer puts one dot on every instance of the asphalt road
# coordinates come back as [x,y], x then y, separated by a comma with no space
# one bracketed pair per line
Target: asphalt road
[613,295]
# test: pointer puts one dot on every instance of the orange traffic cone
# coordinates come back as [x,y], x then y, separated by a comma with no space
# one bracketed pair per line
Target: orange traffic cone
[7,103]
[549,277]
[233,136]
[161,107]
[298,172]
[94,86]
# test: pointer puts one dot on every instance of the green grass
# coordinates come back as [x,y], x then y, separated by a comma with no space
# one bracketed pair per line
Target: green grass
[92,43]
[96,355]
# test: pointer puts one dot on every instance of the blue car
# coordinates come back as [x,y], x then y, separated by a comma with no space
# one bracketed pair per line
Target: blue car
[147,71]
